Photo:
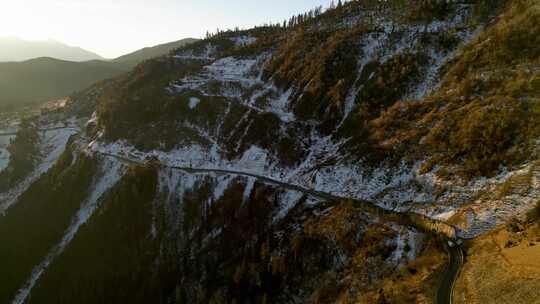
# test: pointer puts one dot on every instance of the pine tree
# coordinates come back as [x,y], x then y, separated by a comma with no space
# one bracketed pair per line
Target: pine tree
[332,5]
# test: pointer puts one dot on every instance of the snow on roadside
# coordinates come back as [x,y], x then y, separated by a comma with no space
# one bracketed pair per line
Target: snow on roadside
[174,185]
[4,153]
[400,189]
[4,158]
[52,145]
[488,211]
[325,168]
[287,200]
[193,102]
[248,189]
[111,171]
[221,186]
[340,179]
[10,127]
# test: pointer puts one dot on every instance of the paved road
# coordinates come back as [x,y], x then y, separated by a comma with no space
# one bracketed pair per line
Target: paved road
[445,291]
[446,287]
[416,220]
[317,194]
[39,130]
[8,134]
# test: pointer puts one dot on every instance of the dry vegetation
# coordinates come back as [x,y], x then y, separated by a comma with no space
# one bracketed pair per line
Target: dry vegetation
[416,282]
[45,211]
[484,116]
[503,267]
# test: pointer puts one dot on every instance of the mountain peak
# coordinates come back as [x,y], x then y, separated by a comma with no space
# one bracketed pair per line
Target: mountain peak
[17,49]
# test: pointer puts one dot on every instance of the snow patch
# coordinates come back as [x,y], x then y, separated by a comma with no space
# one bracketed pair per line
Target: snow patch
[4,153]
[222,184]
[112,171]
[207,54]
[488,212]
[243,40]
[193,102]
[408,244]
[288,200]
[249,188]
[239,81]
[52,145]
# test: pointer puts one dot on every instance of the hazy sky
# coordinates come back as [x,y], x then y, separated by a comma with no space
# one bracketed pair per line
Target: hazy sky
[115,27]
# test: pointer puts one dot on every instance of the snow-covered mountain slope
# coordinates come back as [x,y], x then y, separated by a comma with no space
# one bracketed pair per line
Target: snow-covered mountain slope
[50,146]
[7,131]
[109,174]
[4,153]
[170,224]
[310,109]
[85,192]
[241,167]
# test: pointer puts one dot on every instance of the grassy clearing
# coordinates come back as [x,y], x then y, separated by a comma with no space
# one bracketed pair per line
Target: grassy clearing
[502,267]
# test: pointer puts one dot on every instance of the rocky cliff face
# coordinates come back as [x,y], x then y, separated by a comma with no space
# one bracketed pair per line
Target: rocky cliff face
[240,168]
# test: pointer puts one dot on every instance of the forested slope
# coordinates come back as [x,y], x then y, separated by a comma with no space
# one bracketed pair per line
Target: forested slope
[419,107]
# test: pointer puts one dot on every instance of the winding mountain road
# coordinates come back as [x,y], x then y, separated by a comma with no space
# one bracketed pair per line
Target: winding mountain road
[413,219]
[317,194]
[40,130]
[446,287]
[448,281]
[445,290]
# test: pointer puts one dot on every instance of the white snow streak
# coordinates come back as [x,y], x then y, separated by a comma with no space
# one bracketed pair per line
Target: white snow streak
[4,153]
[53,144]
[207,54]
[249,188]
[237,77]
[112,172]
[193,102]
[243,40]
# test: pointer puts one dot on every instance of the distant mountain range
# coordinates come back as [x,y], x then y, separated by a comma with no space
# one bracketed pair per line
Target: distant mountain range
[45,78]
[15,49]
[373,152]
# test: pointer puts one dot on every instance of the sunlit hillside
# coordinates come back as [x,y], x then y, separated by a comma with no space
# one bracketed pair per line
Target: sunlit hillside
[357,152]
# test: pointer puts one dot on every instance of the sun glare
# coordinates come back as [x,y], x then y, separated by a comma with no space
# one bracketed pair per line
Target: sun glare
[116,27]
[20,19]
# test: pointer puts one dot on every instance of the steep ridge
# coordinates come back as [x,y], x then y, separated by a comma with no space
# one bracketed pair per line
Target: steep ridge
[57,194]
[50,79]
[401,105]
[141,55]
[16,50]
[198,244]
[53,78]
[34,154]
[109,173]
[315,109]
